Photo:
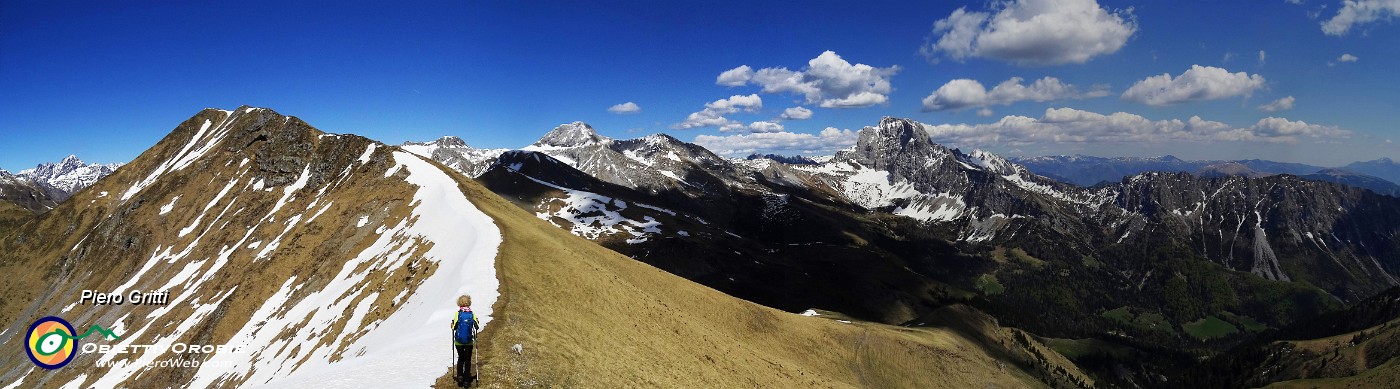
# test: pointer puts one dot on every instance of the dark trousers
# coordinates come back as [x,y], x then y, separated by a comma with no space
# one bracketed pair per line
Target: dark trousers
[464,362]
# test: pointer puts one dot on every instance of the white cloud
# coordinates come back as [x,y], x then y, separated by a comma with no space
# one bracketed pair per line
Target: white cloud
[713,114]
[761,126]
[828,81]
[1282,104]
[1280,128]
[625,108]
[1068,125]
[1262,57]
[1343,59]
[796,113]
[765,126]
[1356,12]
[1197,83]
[964,93]
[825,143]
[735,77]
[1032,32]
[984,112]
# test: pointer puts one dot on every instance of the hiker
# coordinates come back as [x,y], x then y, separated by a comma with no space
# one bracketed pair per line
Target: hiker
[464,327]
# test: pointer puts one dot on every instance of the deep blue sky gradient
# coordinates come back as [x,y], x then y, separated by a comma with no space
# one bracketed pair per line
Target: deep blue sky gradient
[106,80]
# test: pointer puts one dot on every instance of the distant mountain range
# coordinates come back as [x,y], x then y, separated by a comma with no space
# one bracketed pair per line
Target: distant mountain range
[905,225]
[57,181]
[1379,175]
[897,198]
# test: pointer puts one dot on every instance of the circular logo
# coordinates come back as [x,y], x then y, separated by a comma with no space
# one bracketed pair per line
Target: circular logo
[50,342]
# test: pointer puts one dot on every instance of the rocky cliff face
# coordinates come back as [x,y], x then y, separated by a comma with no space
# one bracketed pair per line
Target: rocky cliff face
[1340,238]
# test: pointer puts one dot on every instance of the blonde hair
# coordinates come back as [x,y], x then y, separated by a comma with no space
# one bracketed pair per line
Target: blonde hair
[464,301]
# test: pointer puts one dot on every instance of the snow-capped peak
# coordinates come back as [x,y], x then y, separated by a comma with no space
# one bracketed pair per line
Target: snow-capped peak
[450,141]
[992,163]
[427,148]
[571,135]
[67,176]
[657,140]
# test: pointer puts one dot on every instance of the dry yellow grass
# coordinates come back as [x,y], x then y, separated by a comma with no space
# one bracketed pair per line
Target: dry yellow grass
[584,316]
[1383,376]
[47,265]
[1360,359]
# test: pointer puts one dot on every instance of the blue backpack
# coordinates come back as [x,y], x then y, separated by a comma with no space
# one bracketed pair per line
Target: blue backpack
[466,328]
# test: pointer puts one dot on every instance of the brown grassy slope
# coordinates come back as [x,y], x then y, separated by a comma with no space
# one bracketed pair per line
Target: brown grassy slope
[585,316]
[46,266]
[1361,359]
[12,215]
[1384,376]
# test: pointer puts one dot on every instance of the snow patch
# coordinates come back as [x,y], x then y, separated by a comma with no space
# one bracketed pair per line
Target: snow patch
[198,145]
[168,207]
[464,242]
[872,188]
[369,152]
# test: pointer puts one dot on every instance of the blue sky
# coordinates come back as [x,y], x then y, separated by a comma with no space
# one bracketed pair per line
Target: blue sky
[106,80]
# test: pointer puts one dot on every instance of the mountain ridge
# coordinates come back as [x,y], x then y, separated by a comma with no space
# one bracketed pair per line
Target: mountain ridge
[1090,171]
[327,263]
[1057,259]
[316,239]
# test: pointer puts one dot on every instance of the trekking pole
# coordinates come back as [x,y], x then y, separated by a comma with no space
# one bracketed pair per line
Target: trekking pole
[452,365]
[475,373]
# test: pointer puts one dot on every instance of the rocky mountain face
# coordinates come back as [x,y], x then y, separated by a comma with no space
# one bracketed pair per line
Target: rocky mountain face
[63,179]
[306,257]
[455,153]
[655,164]
[1335,237]
[782,248]
[21,193]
